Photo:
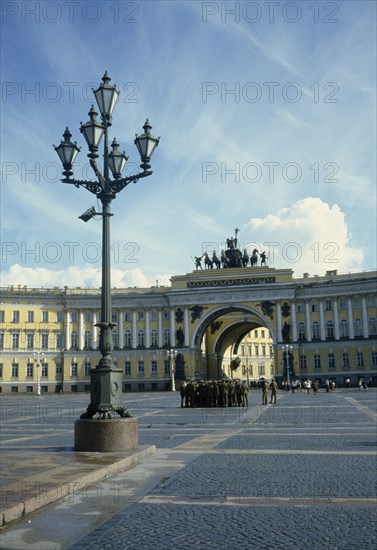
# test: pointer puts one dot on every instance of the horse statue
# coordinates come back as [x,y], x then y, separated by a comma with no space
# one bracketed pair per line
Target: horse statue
[254,258]
[245,258]
[198,262]
[263,258]
[224,259]
[216,260]
[208,263]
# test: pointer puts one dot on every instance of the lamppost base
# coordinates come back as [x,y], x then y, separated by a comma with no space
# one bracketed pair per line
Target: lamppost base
[106,435]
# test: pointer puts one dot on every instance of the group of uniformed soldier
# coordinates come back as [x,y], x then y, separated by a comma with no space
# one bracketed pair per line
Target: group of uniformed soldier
[214,393]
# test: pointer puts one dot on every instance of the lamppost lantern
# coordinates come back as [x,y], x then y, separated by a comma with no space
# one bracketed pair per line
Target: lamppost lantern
[92,132]
[67,152]
[106,97]
[117,160]
[146,144]
[106,378]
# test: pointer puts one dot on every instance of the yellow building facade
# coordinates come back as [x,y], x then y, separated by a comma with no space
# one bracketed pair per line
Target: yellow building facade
[215,319]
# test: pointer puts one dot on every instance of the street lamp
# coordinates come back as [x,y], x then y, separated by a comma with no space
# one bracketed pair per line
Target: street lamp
[38,359]
[105,378]
[287,350]
[172,354]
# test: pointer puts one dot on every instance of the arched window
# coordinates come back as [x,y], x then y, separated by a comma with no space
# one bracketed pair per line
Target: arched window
[74,340]
[301,331]
[127,339]
[114,335]
[344,328]
[140,338]
[329,329]
[372,326]
[153,337]
[167,337]
[315,329]
[358,327]
[87,339]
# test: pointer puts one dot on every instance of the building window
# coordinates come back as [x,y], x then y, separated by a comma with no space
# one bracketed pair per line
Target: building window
[256,348]
[29,370]
[74,369]
[88,316]
[372,326]
[140,315]
[166,315]
[374,358]
[14,389]
[345,361]
[331,361]
[317,361]
[44,372]
[371,300]
[1,370]
[315,329]
[59,340]
[140,338]
[329,329]
[255,333]
[87,339]
[344,328]
[30,340]
[87,367]
[300,308]
[303,364]
[153,337]
[243,370]
[127,316]
[127,368]
[242,350]
[358,327]
[271,351]
[357,302]
[343,304]
[15,340]
[1,340]
[74,340]
[166,366]
[167,337]
[261,370]
[59,316]
[314,307]
[114,316]
[154,367]
[59,369]
[74,316]
[44,343]
[30,316]
[127,339]
[16,317]
[14,370]
[249,349]
[263,332]
[44,316]
[301,331]
[263,350]
[328,305]
[153,315]
[2,316]
[359,359]
[114,335]
[140,367]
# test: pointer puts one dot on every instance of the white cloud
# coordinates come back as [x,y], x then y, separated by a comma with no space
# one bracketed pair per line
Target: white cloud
[310,236]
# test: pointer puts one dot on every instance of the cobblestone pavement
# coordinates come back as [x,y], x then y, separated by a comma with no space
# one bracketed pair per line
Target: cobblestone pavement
[297,475]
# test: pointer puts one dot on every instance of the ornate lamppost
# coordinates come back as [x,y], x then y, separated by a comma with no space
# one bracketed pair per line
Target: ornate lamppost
[105,379]
[287,350]
[172,355]
[38,359]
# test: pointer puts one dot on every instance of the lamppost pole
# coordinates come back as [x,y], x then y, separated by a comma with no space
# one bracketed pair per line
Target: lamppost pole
[106,378]
[172,354]
[287,350]
[38,356]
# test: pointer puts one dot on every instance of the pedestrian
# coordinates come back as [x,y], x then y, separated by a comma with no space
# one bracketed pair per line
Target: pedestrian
[315,387]
[182,391]
[327,385]
[365,385]
[264,391]
[274,390]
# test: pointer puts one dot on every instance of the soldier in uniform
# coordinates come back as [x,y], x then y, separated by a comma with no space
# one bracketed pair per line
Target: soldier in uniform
[245,394]
[264,391]
[274,390]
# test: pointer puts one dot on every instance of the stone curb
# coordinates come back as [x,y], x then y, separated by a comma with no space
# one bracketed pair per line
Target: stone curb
[52,485]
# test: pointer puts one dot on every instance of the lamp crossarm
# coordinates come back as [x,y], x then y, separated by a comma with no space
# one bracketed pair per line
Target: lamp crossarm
[117,185]
[97,172]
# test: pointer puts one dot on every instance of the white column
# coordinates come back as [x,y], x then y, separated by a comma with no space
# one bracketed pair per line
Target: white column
[365,317]
[147,330]
[134,330]
[322,332]
[278,318]
[94,330]
[160,341]
[67,330]
[350,319]
[172,328]
[186,325]
[294,322]
[336,320]
[121,329]
[307,322]
[81,330]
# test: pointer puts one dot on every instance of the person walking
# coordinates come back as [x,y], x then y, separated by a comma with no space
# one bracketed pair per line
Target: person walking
[264,392]
[274,390]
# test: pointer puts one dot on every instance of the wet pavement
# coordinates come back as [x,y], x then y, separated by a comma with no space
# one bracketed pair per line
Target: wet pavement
[299,474]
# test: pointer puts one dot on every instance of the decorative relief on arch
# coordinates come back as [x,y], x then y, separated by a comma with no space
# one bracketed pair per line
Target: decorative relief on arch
[267,308]
[215,326]
[196,312]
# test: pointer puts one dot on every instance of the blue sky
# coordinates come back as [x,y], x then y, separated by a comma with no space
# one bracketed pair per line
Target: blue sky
[267,118]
